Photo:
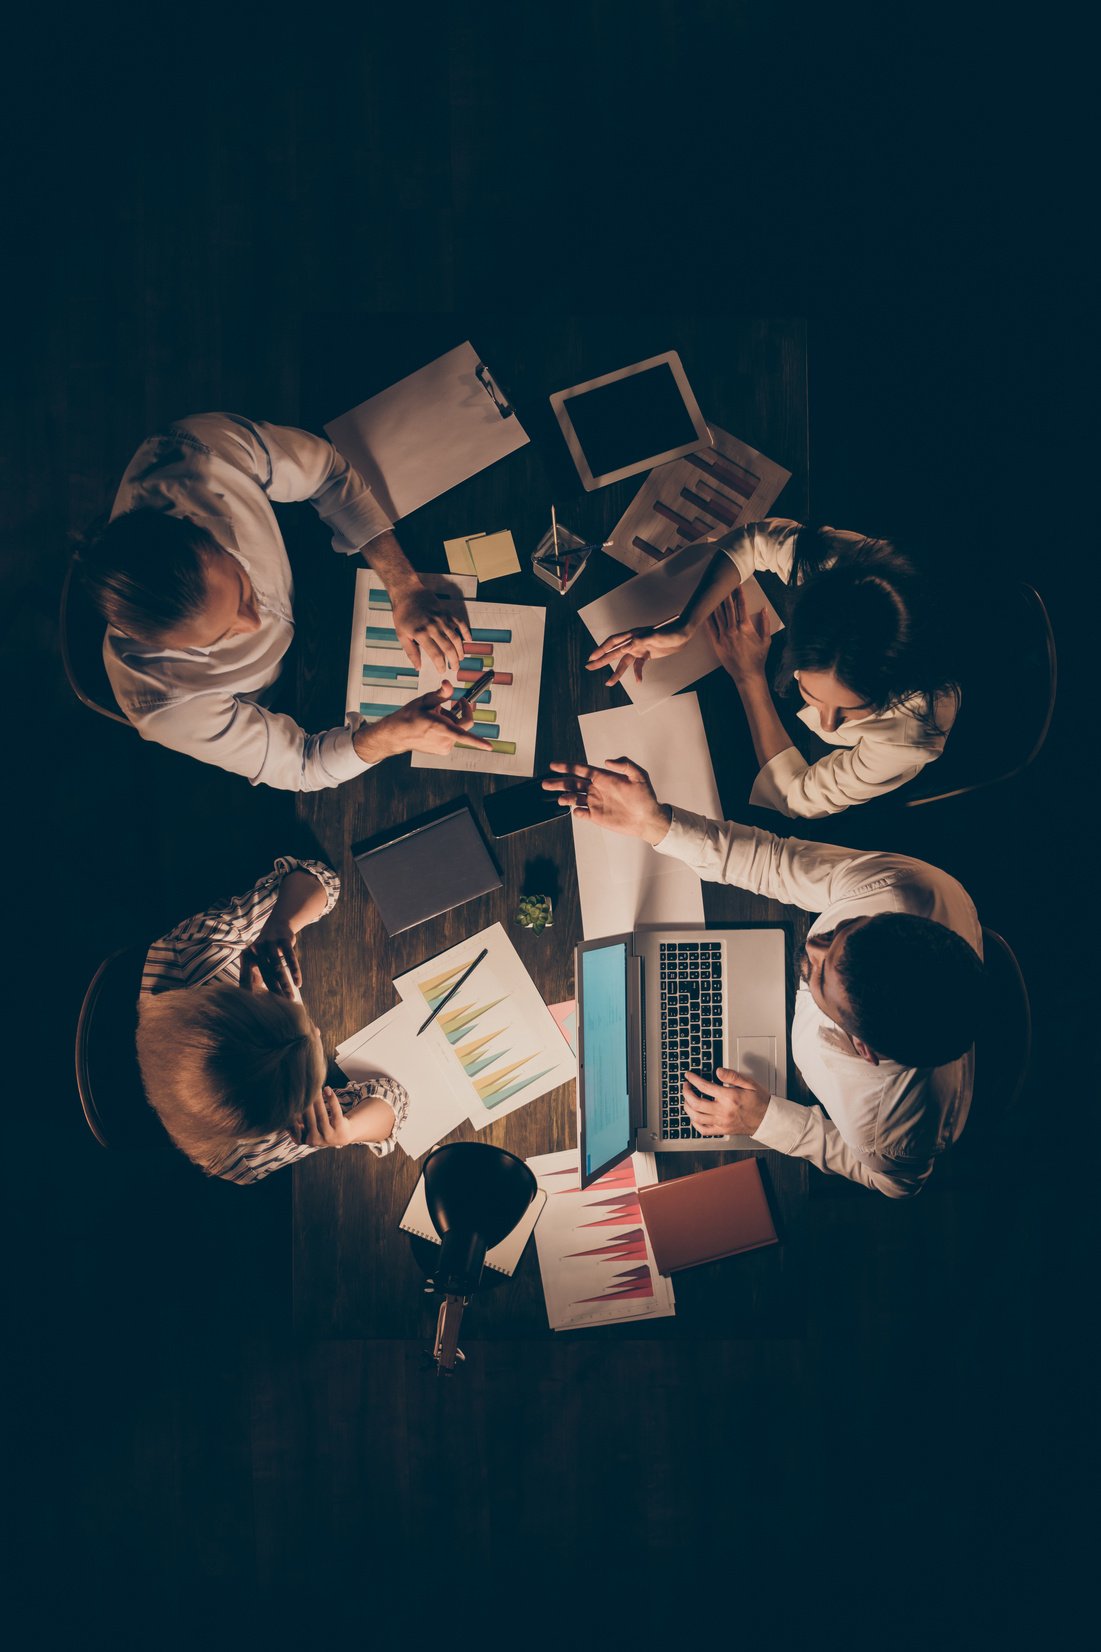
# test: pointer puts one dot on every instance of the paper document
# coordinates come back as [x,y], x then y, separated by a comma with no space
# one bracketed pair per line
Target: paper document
[427,433]
[510,639]
[381,678]
[622,881]
[708,492]
[390,1046]
[486,555]
[502,1257]
[496,1037]
[655,597]
[595,1259]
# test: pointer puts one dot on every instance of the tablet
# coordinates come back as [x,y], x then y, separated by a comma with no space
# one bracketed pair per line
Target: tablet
[630,420]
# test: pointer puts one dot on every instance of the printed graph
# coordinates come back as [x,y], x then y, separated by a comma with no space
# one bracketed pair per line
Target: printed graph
[482,1049]
[594,1256]
[496,1035]
[703,495]
[508,640]
[381,677]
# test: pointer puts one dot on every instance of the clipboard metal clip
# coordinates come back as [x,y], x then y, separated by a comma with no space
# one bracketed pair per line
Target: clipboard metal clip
[481,373]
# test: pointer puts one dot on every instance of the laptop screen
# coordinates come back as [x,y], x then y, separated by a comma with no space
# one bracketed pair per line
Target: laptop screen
[604,1087]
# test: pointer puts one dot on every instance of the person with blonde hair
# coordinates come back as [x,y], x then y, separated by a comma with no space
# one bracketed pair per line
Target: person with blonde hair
[229,1057]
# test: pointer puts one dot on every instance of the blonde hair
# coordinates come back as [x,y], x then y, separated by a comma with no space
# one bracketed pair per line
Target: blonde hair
[221,1065]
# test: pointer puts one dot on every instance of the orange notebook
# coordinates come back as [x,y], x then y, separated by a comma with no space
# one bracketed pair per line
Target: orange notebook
[711,1214]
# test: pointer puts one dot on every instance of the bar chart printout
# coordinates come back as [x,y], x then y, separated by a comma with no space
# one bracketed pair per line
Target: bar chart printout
[507,639]
[381,677]
[595,1258]
[701,496]
[499,1039]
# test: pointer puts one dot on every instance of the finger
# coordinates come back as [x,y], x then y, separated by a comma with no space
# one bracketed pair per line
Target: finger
[624,765]
[584,771]
[450,643]
[640,662]
[611,645]
[624,662]
[703,1085]
[293,966]
[312,1117]
[731,1079]
[412,652]
[433,650]
[466,735]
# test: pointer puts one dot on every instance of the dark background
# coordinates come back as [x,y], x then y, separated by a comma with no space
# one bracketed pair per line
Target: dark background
[181,198]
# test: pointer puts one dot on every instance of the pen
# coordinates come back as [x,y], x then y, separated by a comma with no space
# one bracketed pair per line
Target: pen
[554,530]
[448,996]
[473,689]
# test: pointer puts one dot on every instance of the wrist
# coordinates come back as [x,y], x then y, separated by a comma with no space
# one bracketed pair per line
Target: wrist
[657,828]
[374,742]
[751,682]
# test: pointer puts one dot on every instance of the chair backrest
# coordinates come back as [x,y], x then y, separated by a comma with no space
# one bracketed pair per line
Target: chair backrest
[1003,1047]
[81,630]
[108,1078]
[1008,701]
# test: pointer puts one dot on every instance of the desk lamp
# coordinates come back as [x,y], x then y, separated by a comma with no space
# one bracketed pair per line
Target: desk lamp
[476,1194]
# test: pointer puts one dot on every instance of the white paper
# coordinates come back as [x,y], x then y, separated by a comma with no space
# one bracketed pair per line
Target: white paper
[390,1047]
[373,696]
[497,1038]
[595,1258]
[513,705]
[504,1256]
[655,597]
[695,492]
[426,434]
[623,883]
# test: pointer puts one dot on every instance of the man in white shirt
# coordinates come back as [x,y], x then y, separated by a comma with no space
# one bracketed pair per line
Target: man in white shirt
[194,581]
[889,998]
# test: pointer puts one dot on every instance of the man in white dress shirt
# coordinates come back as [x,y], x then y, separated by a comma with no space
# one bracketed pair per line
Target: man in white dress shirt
[194,581]
[889,998]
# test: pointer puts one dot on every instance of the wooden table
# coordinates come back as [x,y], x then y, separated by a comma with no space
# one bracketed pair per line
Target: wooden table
[354,1274]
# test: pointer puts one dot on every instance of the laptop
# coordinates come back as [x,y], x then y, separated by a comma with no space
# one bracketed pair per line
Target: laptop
[654,1006]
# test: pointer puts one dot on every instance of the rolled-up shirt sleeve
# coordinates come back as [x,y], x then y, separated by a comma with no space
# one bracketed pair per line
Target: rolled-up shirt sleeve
[267,747]
[764,547]
[293,465]
[852,774]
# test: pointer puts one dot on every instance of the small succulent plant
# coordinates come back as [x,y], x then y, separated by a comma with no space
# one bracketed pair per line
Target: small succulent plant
[535,912]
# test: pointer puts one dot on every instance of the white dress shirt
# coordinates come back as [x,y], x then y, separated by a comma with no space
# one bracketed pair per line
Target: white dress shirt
[875,754]
[223,472]
[887,1123]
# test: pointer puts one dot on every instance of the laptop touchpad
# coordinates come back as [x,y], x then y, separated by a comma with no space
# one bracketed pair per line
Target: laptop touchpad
[756,1057]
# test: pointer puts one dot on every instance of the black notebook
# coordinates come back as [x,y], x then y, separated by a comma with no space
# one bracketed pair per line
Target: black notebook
[426,867]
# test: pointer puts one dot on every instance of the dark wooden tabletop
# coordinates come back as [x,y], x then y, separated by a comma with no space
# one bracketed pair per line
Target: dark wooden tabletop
[354,1272]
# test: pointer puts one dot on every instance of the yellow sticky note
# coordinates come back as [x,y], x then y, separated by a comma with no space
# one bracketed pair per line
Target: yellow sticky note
[494,554]
[457,551]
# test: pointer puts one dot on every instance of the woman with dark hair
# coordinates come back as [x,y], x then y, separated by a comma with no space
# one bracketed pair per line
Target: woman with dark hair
[864,652]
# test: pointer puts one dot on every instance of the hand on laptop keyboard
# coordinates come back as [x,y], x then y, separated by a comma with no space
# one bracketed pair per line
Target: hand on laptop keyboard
[731,1104]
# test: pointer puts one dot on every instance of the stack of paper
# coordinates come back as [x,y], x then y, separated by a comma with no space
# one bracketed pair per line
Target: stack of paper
[595,1259]
[622,881]
[486,555]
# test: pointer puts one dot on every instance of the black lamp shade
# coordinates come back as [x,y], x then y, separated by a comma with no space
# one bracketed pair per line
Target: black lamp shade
[476,1194]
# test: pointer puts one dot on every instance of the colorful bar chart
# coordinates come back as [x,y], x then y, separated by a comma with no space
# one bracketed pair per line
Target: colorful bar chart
[507,640]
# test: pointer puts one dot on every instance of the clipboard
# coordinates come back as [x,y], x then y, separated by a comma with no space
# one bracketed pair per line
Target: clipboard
[429,432]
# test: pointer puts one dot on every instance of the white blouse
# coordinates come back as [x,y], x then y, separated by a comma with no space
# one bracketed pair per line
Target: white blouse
[874,754]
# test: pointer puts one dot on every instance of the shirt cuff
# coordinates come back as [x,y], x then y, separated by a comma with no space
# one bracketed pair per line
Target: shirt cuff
[775,780]
[783,1125]
[339,757]
[686,832]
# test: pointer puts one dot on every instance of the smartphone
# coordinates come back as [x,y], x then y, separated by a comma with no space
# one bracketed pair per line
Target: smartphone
[519,807]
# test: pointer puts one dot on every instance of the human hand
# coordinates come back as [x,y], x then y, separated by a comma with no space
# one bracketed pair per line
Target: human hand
[734,1106]
[272,961]
[740,639]
[326,1124]
[634,648]
[424,724]
[619,797]
[426,622]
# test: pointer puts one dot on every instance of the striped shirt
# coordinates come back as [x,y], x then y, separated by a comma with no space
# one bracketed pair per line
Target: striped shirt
[206,950]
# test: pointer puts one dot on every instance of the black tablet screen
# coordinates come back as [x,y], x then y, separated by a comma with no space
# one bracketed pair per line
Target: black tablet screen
[631,420]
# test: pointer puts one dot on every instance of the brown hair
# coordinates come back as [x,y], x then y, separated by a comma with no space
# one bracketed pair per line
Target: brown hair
[145,571]
[221,1065]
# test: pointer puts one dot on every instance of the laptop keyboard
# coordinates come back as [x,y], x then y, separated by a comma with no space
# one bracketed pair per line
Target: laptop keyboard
[691,1026]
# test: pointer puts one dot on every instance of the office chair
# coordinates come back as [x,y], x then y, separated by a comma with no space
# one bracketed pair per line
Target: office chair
[1003,1050]
[108,1078]
[80,630]
[1007,706]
